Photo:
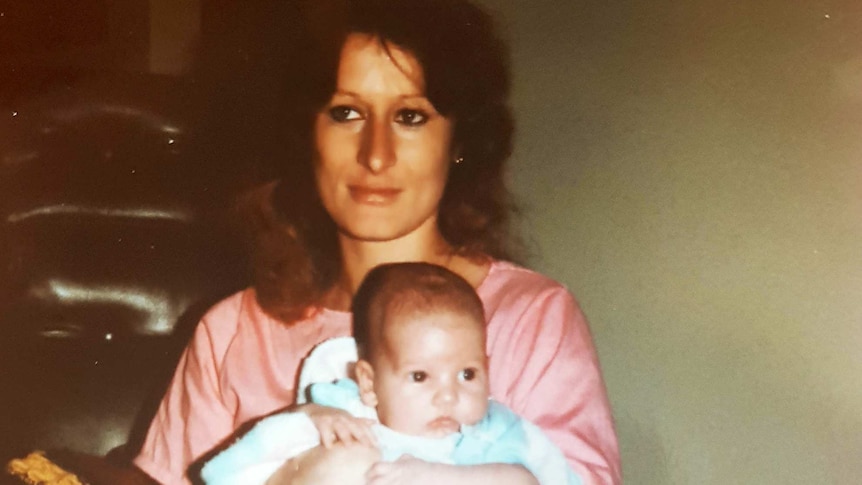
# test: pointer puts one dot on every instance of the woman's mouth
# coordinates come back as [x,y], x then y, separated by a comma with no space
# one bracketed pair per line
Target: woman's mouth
[373,195]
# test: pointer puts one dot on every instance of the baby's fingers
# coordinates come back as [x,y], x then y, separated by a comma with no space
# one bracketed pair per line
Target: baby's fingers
[328,436]
[356,431]
[365,433]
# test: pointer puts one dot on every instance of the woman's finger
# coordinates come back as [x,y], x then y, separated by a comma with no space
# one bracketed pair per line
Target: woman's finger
[377,473]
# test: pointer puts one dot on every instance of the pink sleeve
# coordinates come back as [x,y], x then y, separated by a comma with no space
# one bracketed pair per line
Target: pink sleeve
[554,380]
[191,418]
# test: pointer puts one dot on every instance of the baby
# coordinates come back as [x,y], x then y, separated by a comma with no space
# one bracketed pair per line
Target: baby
[421,373]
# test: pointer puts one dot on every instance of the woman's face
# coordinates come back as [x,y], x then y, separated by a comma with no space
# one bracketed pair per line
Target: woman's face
[383,151]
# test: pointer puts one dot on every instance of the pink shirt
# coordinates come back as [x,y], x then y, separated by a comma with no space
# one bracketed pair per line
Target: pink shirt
[242,364]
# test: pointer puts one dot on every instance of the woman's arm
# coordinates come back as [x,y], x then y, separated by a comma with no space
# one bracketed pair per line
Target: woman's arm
[412,471]
[191,418]
[360,465]
[544,367]
[338,465]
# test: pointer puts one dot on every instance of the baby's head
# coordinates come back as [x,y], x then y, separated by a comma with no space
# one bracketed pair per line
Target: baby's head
[420,330]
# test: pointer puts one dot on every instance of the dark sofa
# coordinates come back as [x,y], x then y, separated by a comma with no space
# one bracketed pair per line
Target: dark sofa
[113,241]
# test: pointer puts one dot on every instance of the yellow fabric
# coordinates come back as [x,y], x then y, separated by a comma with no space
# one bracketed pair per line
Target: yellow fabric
[36,469]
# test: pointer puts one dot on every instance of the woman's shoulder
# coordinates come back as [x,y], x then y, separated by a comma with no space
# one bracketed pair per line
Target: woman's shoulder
[510,288]
[231,305]
[225,316]
[240,315]
[505,277]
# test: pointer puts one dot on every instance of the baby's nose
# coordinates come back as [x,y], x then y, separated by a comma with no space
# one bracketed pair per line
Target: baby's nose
[446,394]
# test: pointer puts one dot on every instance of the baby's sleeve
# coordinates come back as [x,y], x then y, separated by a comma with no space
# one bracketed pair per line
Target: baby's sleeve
[328,362]
[503,437]
[258,454]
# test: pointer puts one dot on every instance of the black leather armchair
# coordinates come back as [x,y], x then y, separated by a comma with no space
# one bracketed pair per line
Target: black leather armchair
[113,242]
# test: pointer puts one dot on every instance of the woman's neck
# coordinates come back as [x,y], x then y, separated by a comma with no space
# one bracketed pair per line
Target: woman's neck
[359,257]
[426,244]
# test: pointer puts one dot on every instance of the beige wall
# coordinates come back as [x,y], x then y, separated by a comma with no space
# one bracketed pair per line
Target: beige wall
[693,171]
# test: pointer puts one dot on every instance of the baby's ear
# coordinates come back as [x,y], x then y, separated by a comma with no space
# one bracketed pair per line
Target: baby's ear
[365,380]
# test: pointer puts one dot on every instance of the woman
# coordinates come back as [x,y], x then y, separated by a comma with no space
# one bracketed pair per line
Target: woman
[401,134]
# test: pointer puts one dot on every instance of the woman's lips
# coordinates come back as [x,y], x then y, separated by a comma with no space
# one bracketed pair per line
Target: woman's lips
[373,195]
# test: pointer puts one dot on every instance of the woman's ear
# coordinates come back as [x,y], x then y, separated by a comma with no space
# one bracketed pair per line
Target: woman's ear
[365,379]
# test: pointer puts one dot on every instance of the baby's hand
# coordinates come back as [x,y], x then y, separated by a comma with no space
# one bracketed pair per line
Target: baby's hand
[407,469]
[338,426]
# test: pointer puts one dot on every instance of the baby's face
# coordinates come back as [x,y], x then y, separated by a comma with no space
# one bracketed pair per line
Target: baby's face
[432,375]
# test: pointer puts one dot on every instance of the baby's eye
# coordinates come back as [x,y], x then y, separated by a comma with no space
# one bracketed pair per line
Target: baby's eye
[418,376]
[341,114]
[468,374]
[411,117]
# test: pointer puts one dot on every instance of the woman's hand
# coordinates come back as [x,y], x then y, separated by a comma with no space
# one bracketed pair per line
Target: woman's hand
[338,426]
[413,471]
[339,465]
[406,469]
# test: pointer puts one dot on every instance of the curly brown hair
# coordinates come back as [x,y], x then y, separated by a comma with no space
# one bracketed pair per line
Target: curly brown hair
[296,257]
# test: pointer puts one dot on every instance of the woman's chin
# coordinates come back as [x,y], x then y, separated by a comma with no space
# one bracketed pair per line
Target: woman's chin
[374,231]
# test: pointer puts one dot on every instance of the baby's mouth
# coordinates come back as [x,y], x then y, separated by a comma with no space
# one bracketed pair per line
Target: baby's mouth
[444,425]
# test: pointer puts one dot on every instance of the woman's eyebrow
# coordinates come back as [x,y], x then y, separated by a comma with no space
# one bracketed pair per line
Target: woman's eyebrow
[345,93]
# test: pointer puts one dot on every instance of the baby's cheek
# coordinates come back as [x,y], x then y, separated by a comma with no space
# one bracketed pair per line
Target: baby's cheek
[479,407]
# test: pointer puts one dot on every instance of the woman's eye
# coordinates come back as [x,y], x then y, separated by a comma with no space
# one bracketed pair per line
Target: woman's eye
[411,117]
[468,374]
[341,114]
[418,376]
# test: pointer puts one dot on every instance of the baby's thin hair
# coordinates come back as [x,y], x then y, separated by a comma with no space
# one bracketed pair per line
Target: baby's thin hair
[415,288]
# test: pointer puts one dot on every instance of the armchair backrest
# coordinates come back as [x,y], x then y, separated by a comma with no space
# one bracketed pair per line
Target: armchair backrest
[112,244]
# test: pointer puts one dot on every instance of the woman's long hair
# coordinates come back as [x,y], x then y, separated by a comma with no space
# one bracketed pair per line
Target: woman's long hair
[296,256]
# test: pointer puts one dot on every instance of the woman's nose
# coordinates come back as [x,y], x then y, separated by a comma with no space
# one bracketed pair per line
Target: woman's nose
[377,152]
